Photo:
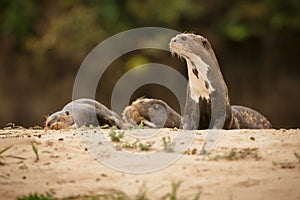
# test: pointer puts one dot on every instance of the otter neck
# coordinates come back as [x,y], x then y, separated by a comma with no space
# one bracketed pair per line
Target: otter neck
[206,82]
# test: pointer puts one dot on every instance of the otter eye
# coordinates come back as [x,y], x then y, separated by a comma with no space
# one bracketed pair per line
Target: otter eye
[155,106]
[183,38]
[67,113]
[205,44]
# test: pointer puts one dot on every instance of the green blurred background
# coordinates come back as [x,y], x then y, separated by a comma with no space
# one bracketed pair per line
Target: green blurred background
[43,44]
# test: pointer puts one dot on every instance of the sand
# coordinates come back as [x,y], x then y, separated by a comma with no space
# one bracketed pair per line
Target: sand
[245,164]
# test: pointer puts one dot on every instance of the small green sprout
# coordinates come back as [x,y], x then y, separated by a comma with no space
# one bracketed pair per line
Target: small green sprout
[146,146]
[36,196]
[168,145]
[141,124]
[128,145]
[236,154]
[106,126]
[115,135]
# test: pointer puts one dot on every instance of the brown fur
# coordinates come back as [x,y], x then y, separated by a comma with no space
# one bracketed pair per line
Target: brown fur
[61,121]
[141,109]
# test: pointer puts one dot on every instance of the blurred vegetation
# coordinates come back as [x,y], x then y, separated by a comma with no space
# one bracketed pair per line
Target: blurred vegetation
[43,44]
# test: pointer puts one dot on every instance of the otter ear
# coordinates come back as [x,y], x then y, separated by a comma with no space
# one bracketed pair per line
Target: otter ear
[67,113]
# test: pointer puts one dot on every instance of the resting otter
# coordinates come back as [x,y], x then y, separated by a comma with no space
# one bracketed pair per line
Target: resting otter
[206,83]
[152,112]
[83,112]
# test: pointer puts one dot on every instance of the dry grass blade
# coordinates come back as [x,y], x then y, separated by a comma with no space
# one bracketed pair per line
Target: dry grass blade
[1,152]
[5,149]
[16,157]
[142,194]
[8,156]
[36,152]
[174,189]
[297,156]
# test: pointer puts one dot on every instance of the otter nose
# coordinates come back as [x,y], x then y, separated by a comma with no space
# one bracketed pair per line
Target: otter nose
[51,121]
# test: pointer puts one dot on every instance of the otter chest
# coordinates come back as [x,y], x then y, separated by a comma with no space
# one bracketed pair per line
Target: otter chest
[198,81]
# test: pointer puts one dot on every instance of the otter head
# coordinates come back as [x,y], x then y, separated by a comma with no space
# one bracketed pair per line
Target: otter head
[59,120]
[158,113]
[201,62]
[188,45]
[152,112]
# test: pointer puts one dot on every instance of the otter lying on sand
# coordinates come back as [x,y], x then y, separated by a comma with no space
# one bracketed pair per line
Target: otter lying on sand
[83,112]
[206,84]
[153,113]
